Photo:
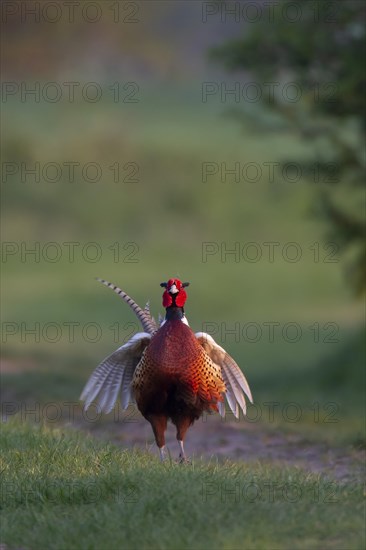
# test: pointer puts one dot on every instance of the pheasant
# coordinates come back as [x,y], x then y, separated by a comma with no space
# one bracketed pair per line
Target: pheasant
[169,371]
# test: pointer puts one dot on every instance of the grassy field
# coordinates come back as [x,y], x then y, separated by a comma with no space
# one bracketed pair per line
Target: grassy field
[62,489]
[67,491]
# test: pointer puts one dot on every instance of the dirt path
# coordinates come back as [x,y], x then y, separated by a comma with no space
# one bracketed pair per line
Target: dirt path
[212,437]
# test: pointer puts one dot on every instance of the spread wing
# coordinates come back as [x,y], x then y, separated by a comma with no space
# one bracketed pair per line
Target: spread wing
[236,384]
[114,375]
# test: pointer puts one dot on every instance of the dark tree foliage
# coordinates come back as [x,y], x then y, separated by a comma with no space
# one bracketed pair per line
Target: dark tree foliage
[323,51]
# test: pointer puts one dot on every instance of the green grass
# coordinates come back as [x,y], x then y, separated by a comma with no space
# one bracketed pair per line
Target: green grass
[169,214]
[67,491]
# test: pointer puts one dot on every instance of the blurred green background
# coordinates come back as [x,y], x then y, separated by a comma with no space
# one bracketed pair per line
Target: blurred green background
[161,221]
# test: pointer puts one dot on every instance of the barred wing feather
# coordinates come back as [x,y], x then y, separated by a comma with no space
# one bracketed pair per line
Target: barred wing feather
[236,384]
[114,375]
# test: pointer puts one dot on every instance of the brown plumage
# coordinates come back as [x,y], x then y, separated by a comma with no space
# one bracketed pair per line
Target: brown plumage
[170,372]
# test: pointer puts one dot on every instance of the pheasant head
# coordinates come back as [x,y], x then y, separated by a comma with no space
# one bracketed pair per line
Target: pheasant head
[174,294]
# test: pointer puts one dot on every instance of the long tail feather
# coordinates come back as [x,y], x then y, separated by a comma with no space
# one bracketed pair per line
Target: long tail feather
[147,322]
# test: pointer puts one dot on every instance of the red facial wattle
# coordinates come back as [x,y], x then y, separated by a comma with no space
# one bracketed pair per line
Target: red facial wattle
[167,299]
[180,298]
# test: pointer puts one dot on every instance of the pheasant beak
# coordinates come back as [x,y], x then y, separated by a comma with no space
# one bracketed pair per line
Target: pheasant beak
[173,289]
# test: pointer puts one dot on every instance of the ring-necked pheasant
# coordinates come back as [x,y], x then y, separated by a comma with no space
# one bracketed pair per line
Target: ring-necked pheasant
[169,371]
